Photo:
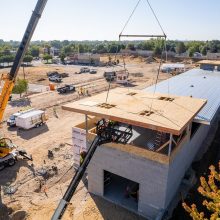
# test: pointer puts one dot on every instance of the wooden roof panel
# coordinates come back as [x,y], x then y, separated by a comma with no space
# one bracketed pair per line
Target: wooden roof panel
[167,116]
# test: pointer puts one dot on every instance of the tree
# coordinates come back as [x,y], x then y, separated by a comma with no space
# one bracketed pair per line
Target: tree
[62,57]
[47,47]
[131,46]
[56,43]
[101,48]
[210,190]
[146,45]
[20,87]
[7,59]
[47,57]
[191,51]
[67,50]
[27,59]
[35,51]
[204,50]
[81,48]
[180,48]
[157,50]
[113,48]
[214,46]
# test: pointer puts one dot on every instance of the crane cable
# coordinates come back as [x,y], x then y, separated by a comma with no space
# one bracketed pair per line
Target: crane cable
[132,13]
[163,49]
[153,12]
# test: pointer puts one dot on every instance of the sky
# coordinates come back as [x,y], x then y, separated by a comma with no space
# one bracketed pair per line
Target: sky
[104,20]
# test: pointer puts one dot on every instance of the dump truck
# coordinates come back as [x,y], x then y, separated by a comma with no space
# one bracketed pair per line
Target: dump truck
[66,89]
[31,119]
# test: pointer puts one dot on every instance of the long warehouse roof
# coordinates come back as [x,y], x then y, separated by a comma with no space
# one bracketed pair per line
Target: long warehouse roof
[197,83]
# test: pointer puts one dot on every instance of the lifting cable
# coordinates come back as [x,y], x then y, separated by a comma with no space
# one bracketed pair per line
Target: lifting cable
[153,12]
[158,36]
[132,13]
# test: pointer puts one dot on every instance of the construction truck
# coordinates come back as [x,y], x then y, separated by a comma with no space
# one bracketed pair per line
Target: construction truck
[11,122]
[31,119]
[8,151]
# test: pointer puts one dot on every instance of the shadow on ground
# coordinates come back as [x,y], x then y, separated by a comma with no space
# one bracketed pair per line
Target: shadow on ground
[20,102]
[109,210]
[7,178]
[9,174]
[6,213]
[33,132]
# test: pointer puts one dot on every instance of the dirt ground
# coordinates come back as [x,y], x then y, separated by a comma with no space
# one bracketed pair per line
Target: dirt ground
[39,185]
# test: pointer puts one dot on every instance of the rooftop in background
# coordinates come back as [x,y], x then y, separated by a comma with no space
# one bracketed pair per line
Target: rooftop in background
[197,83]
[168,114]
[209,62]
[172,65]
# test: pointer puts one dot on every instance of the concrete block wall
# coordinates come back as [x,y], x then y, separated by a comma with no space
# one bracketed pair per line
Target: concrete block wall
[151,176]
[183,160]
[158,183]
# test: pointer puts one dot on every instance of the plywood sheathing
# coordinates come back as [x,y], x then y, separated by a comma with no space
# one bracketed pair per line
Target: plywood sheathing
[168,116]
[211,62]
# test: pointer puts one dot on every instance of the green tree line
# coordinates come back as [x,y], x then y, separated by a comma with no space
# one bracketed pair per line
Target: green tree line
[69,47]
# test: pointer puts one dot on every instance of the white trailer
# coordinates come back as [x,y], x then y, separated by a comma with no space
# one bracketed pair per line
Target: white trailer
[31,119]
[11,121]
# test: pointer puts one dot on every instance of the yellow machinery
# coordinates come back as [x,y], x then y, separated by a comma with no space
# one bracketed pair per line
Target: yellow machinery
[8,151]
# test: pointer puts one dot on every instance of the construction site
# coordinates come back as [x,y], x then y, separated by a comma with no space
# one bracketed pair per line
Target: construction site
[114,140]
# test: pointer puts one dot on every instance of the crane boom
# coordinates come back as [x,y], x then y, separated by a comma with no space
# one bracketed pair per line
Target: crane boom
[11,76]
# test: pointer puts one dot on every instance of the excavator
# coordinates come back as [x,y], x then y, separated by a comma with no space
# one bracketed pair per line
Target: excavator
[106,130]
[9,152]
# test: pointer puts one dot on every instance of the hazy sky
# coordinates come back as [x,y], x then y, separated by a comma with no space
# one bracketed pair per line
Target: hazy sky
[104,20]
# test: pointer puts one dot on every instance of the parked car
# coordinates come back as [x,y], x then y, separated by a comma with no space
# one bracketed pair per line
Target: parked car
[66,89]
[55,78]
[84,70]
[55,73]
[93,71]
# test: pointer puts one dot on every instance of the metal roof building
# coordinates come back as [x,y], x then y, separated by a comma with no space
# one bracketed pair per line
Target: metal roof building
[197,83]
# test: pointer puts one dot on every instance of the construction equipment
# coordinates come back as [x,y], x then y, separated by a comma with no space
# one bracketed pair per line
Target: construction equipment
[8,151]
[107,131]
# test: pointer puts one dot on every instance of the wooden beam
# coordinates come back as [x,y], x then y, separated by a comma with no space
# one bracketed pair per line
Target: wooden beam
[164,145]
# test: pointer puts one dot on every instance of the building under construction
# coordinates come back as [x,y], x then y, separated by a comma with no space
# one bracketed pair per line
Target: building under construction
[168,132]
